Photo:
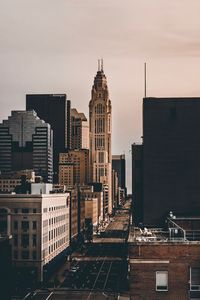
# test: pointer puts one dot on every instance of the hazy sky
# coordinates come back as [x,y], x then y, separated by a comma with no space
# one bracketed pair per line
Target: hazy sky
[52,46]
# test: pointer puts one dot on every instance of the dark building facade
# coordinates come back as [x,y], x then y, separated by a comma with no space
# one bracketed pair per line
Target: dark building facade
[26,142]
[119,165]
[171,160]
[55,110]
[137,181]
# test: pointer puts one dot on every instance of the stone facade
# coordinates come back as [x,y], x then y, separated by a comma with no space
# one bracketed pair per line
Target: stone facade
[100,135]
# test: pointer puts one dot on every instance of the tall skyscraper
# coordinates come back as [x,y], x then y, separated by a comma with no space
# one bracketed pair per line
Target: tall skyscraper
[79,130]
[100,134]
[26,142]
[171,161]
[55,110]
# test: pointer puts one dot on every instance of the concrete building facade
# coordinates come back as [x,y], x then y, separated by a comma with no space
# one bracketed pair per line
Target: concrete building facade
[100,135]
[39,226]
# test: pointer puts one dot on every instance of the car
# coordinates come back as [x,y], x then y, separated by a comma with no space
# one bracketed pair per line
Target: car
[74,269]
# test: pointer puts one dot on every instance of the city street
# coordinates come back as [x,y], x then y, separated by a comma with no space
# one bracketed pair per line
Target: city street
[98,271]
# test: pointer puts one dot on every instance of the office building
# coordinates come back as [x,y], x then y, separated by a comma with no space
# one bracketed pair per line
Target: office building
[115,189]
[55,110]
[26,142]
[100,135]
[171,163]
[91,211]
[39,226]
[77,214]
[79,130]
[74,163]
[119,165]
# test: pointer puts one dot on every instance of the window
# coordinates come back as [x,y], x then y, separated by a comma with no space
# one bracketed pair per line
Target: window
[34,255]
[15,240]
[25,210]
[25,240]
[34,210]
[25,254]
[25,225]
[162,281]
[15,254]
[34,240]
[195,279]
[34,224]
[16,210]
[15,225]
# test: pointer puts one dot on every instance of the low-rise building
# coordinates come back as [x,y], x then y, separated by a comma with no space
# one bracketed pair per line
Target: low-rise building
[39,225]
[9,180]
[165,264]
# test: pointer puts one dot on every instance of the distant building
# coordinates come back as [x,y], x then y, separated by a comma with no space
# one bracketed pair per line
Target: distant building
[170,159]
[100,135]
[77,214]
[74,163]
[39,225]
[79,130]
[119,165]
[115,189]
[66,173]
[91,210]
[55,110]
[165,264]
[9,181]
[90,192]
[26,142]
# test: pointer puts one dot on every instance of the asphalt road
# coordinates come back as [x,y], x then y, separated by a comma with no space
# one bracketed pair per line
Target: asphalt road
[100,272]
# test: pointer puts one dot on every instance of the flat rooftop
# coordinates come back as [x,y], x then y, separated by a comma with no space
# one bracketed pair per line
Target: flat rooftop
[180,230]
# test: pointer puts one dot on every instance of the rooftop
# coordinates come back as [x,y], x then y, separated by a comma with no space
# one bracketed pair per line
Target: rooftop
[178,230]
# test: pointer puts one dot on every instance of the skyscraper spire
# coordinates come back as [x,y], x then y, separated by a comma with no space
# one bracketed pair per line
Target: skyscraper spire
[102,64]
[99,68]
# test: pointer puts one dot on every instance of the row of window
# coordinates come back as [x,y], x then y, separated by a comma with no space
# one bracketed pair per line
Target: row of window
[25,225]
[162,280]
[26,240]
[57,219]
[57,207]
[25,254]
[10,181]
[57,231]
[57,245]
[25,210]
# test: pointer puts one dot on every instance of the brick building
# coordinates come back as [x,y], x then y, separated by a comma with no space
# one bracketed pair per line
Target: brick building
[165,264]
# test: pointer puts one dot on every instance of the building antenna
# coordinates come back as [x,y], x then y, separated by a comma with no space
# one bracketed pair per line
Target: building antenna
[102,64]
[145,80]
[98,64]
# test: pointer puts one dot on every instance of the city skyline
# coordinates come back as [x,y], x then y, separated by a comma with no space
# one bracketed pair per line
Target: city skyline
[53,48]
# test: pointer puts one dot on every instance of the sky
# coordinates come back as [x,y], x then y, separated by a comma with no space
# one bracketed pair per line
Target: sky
[52,46]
